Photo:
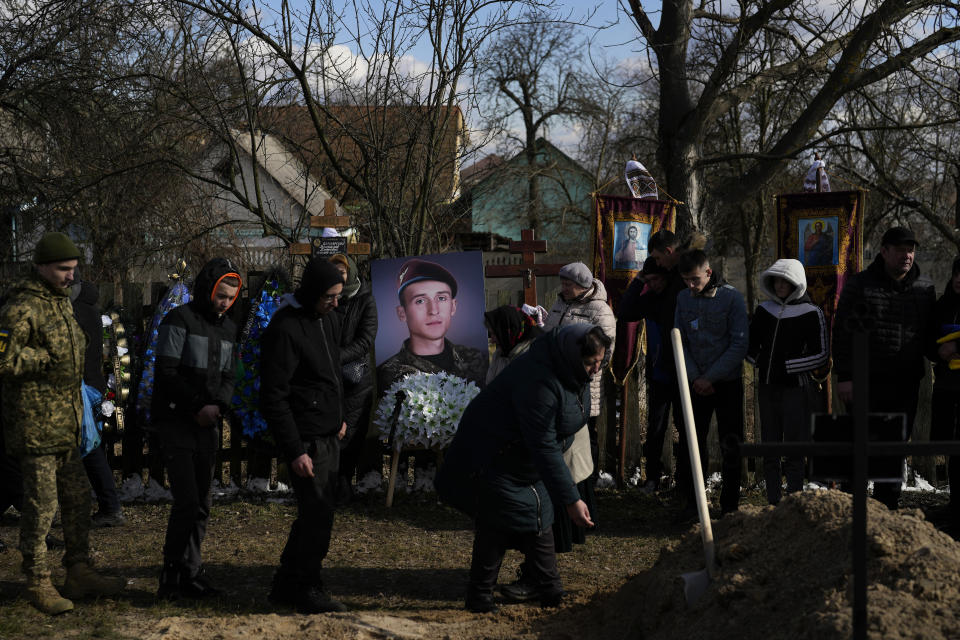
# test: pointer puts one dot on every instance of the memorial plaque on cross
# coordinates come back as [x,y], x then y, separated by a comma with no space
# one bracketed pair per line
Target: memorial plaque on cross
[333,221]
[528,247]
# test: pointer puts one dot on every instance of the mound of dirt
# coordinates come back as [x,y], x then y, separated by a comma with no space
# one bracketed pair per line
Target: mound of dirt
[786,572]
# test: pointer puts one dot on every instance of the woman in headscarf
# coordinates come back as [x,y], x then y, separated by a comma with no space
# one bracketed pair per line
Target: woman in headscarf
[512,331]
[357,313]
[505,465]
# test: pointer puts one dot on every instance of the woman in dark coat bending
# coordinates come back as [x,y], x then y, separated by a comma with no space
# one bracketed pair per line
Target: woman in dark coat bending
[505,465]
[357,313]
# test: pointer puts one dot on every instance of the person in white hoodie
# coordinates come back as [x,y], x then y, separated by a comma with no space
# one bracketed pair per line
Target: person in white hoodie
[788,342]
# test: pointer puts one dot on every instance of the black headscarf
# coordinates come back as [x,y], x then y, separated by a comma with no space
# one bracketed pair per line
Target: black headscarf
[511,326]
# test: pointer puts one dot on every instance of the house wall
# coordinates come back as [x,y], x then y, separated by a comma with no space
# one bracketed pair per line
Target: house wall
[499,206]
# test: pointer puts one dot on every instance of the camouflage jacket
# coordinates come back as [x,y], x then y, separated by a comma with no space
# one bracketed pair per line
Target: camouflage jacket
[469,363]
[41,366]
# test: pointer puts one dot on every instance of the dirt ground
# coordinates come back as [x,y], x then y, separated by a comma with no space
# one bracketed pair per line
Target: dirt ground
[402,572]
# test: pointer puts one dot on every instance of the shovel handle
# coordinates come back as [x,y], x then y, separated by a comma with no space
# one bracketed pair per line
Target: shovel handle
[700,491]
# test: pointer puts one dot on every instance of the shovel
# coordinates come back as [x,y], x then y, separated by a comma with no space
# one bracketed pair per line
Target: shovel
[695,583]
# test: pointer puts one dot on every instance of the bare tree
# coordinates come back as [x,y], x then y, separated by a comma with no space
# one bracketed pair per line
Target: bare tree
[530,74]
[80,149]
[708,61]
[384,133]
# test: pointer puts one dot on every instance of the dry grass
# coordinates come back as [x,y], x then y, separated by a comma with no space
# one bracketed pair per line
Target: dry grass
[410,561]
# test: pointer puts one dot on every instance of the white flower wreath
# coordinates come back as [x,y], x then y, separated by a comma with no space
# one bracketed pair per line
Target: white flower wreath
[431,410]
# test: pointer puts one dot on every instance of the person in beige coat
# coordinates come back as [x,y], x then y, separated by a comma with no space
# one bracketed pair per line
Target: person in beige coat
[583,300]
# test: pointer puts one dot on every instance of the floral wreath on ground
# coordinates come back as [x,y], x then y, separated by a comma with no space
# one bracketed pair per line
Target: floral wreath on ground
[246,397]
[431,410]
[178,295]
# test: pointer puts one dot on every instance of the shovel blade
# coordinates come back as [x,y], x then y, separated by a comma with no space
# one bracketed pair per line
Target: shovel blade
[695,585]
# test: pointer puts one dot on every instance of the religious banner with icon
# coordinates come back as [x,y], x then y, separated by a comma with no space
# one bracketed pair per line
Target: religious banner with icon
[624,225]
[824,231]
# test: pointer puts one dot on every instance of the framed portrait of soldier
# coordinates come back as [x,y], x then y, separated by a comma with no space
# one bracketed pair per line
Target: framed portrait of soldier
[430,312]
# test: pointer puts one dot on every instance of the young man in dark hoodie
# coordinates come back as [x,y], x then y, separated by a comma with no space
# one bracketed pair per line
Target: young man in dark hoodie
[900,303]
[196,364]
[301,397]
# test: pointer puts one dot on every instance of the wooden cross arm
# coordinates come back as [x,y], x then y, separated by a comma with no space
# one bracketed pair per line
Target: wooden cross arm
[520,270]
[334,222]
[523,246]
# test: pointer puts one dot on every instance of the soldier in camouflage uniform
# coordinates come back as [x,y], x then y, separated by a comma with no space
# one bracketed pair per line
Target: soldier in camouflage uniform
[41,366]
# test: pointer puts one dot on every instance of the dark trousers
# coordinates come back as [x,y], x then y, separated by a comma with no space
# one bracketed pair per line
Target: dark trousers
[351,453]
[785,417]
[661,398]
[945,425]
[101,479]
[727,403]
[892,396]
[191,473]
[309,539]
[539,564]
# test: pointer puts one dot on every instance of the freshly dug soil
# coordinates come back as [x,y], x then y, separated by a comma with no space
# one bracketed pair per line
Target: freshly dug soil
[786,572]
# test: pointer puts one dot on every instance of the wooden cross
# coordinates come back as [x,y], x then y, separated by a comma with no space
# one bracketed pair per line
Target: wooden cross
[528,269]
[330,219]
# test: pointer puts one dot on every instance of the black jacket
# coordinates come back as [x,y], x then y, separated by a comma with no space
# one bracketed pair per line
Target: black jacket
[902,312]
[358,329]
[787,341]
[301,392]
[505,462]
[196,356]
[659,309]
[87,312]
[946,317]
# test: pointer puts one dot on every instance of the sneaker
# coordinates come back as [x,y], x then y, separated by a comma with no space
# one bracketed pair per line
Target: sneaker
[101,520]
[523,590]
[316,600]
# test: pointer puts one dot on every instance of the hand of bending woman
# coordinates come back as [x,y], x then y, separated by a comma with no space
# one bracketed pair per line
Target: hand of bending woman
[579,514]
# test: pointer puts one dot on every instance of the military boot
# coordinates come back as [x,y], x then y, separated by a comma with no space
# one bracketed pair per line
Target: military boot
[41,593]
[82,581]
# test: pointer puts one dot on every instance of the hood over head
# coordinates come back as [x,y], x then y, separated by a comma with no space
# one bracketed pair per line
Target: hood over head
[567,354]
[210,277]
[318,276]
[790,270]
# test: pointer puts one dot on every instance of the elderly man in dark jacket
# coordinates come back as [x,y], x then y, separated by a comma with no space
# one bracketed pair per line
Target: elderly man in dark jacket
[900,303]
[301,397]
[196,366]
[505,464]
